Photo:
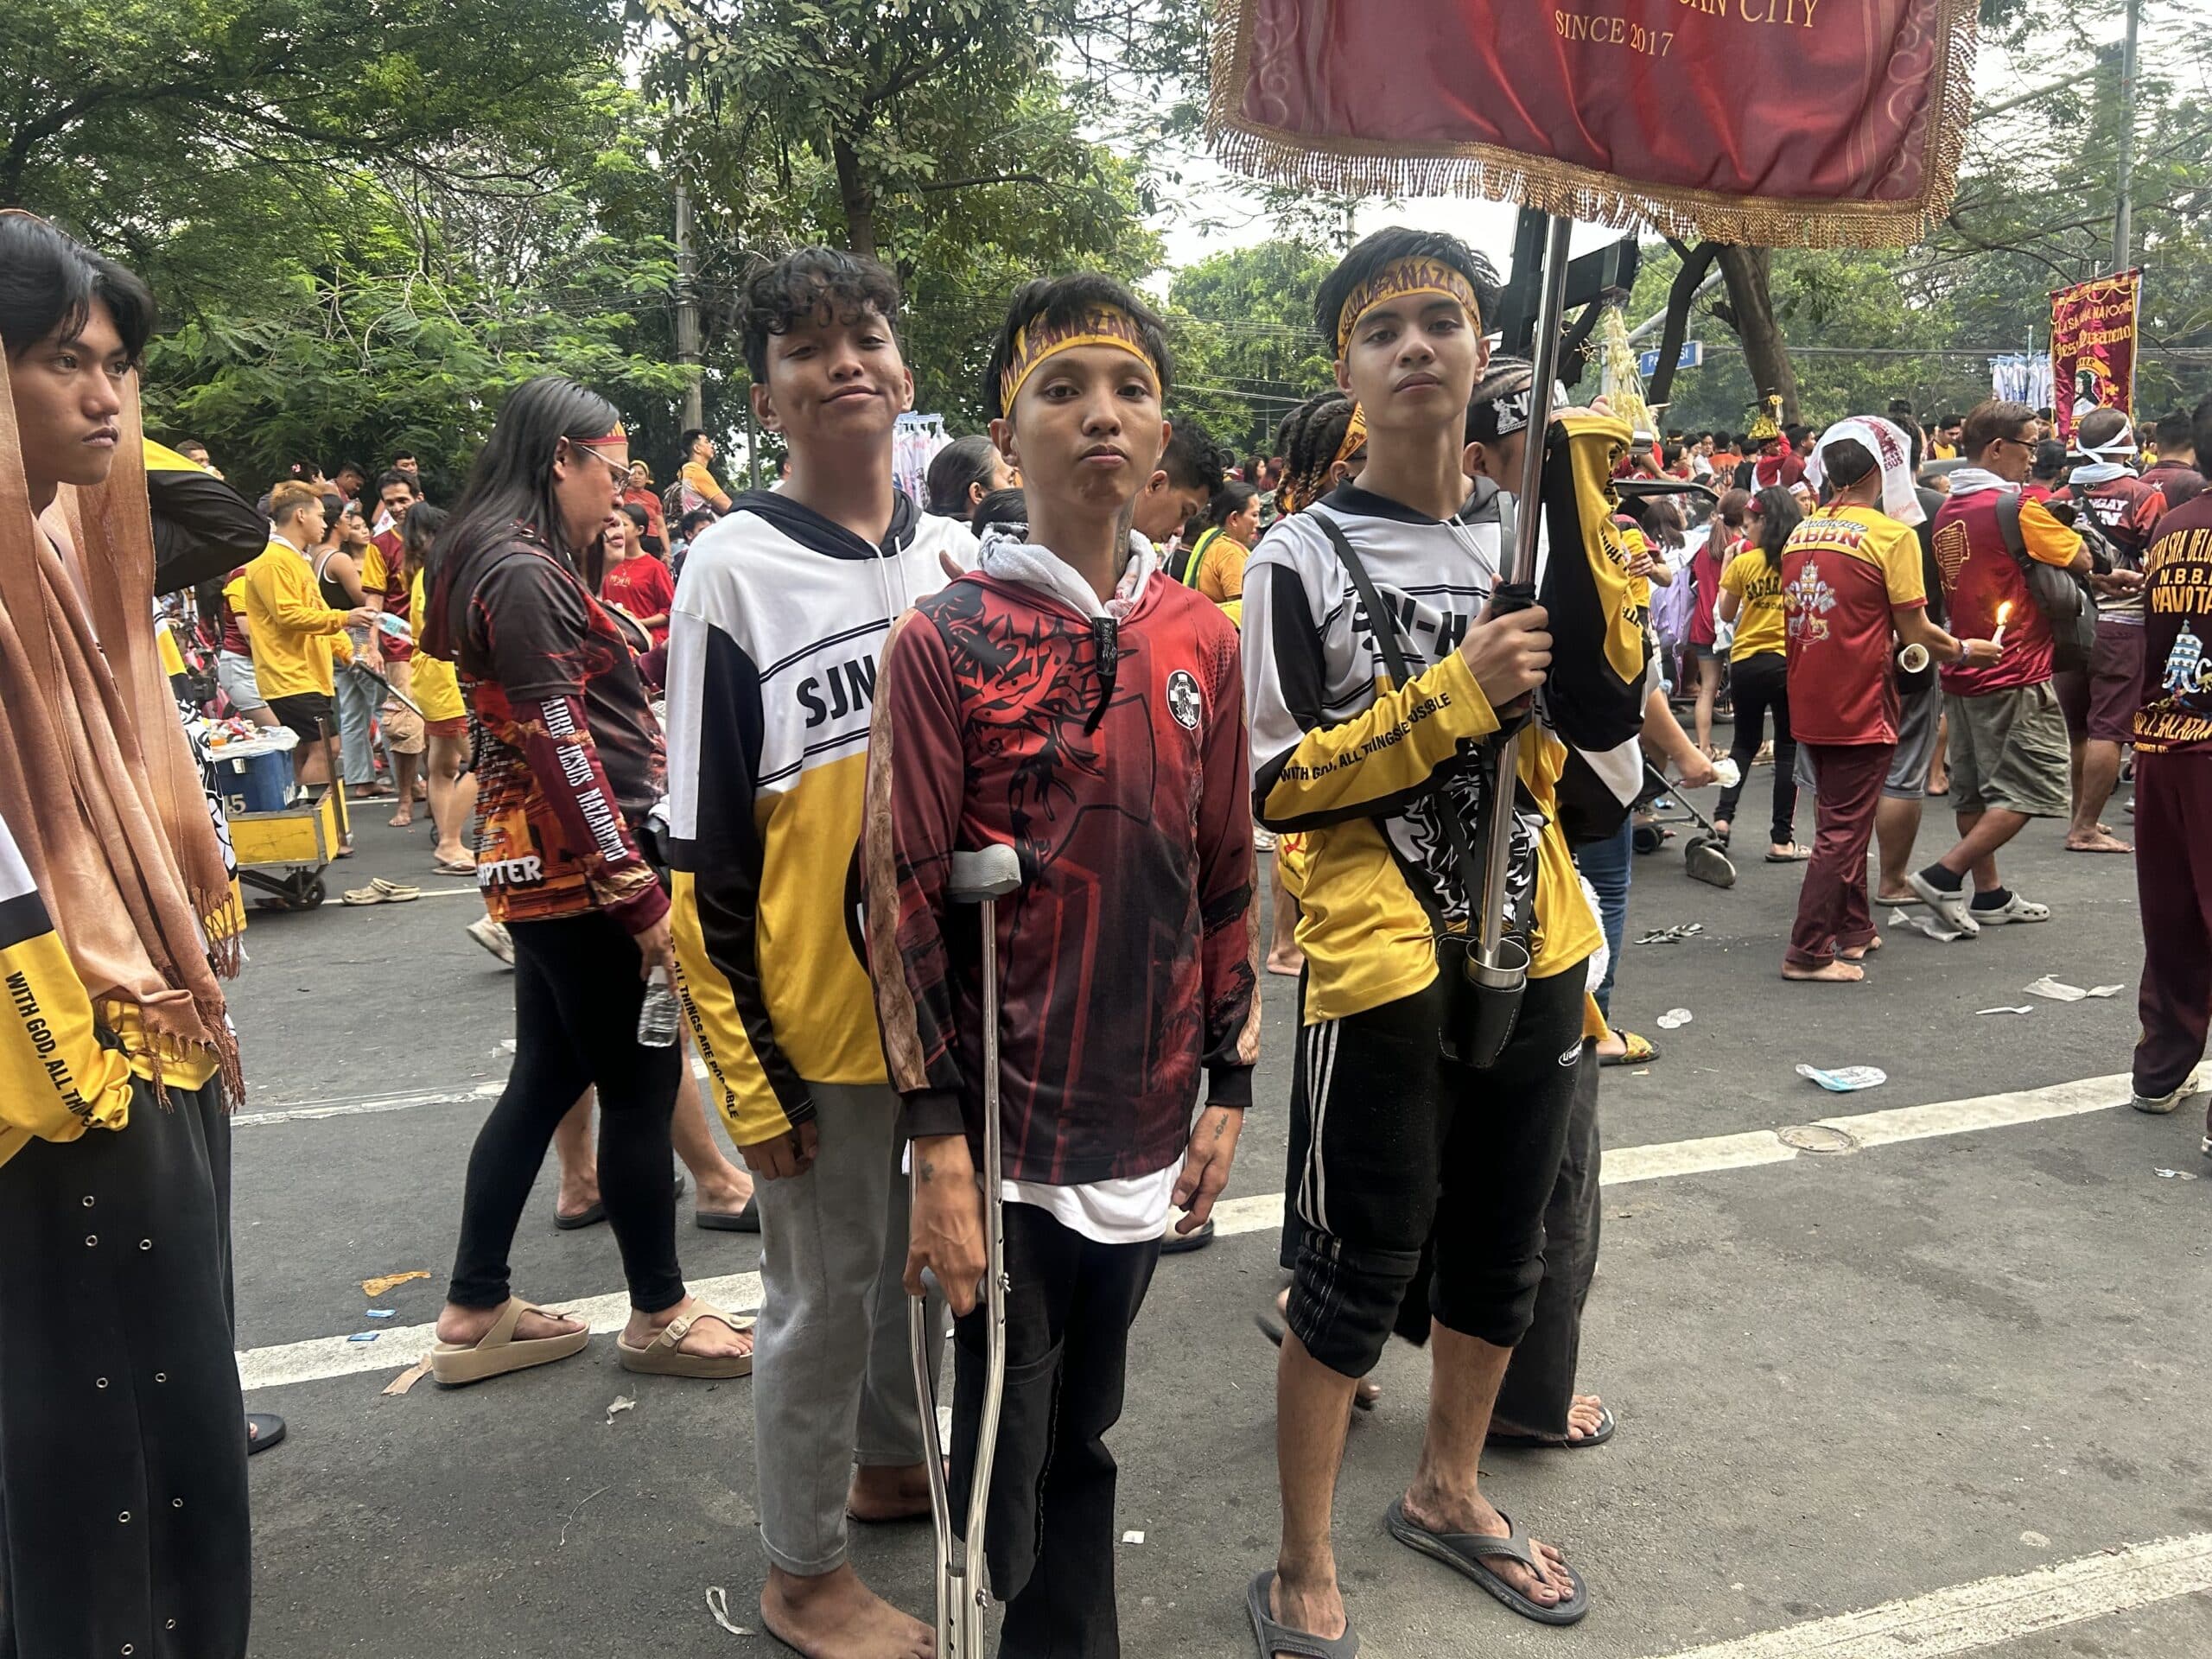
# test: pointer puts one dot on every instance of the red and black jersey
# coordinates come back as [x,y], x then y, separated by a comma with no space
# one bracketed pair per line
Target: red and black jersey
[572,756]
[1124,959]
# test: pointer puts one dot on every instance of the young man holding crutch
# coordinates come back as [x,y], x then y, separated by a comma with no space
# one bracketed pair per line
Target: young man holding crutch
[1070,700]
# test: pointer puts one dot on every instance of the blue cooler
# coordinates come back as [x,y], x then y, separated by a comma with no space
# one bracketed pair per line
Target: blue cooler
[254,782]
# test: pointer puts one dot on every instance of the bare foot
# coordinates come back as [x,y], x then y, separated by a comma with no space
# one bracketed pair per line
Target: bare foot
[836,1616]
[405,817]
[725,1190]
[1858,952]
[2098,840]
[889,1492]
[1313,1604]
[710,1335]
[470,1325]
[1437,1512]
[1289,963]
[579,1191]
[1585,1417]
[1836,973]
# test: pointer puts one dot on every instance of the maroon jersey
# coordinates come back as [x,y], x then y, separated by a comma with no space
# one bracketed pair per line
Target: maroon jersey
[572,756]
[1123,960]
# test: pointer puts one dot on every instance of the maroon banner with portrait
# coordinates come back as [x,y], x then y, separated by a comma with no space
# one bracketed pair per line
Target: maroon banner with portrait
[2093,348]
[1780,122]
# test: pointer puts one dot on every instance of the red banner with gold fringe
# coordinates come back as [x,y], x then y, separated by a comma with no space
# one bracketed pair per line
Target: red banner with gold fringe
[2093,348]
[1780,123]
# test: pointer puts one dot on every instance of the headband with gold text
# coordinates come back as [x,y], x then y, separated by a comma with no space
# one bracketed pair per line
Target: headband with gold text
[1034,341]
[1401,279]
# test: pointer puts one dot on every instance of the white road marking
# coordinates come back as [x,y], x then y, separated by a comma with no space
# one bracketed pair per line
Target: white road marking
[320,1357]
[365,1106]
[1967,1618]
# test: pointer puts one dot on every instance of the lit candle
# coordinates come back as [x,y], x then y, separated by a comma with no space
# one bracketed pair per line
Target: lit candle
[2003,612]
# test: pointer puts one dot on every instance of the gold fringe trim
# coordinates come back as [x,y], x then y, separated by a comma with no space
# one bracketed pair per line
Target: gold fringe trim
[1369,168]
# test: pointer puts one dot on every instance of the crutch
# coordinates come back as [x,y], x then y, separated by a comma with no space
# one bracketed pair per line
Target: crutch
[981,878]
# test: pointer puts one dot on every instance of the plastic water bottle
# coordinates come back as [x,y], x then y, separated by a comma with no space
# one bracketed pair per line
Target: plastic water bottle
[657,1017]
[395,625]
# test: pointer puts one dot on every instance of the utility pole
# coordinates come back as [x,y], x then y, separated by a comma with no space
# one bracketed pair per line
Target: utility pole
[687,311]
[2123,217]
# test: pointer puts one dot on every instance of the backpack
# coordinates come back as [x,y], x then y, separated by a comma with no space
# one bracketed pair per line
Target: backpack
[2060,594]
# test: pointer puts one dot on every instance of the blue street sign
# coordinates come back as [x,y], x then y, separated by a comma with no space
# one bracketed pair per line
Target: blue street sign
[1693,357]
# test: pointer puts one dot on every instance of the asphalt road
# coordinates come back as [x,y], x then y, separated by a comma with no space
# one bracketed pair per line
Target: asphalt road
[1842,1380]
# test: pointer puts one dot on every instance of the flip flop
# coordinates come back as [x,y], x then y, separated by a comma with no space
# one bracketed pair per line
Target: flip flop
[455,1365]
[662,1357]
[1641,1051]
[1175,1243]
[1796,854]
[1270,1324]
[595,1212]
[1274,1638]
[378,893]
[453,867]
[746,1220]
[1546,1443]
[1469,1554]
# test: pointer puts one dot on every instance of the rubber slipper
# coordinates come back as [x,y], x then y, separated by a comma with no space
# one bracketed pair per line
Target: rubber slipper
[662,1357]
[452,867]
[1174,1243]
[455,1365]
[746,1220]
[2014,909]
[263,1430]
[1469,1555]
[380,892]
[1796,854]
[595,1212]
[1641,1051]
[1270,1324]
[1598,1436]
[398,892]
[361,896]
[1274,1638]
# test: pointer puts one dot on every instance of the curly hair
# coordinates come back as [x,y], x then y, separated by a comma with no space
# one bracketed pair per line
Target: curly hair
[776,295]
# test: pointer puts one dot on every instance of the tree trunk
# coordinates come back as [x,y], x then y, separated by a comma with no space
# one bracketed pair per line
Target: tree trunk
[1749,273]
[859,197]
[1696,262]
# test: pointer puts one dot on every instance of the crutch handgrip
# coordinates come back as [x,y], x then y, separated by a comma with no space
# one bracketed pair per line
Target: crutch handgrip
[984,872]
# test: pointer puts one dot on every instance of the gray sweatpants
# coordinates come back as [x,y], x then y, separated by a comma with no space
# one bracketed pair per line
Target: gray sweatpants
[832,1380]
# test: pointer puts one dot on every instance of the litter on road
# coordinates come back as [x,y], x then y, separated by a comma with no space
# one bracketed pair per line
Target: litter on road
[1846,1079]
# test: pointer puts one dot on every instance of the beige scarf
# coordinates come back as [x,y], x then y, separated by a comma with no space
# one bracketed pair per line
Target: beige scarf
[97,780]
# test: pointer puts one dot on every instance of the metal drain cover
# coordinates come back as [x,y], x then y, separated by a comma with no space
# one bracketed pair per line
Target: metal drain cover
[1816,1137]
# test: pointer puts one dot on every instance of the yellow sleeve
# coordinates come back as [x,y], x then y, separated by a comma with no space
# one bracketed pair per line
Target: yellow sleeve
[2048,541]
[1221,578]
[1901,569]
[372,573]
[234,591]
[1732,579]
[291,599]
[165,642]
[56,1078]
[1385,751]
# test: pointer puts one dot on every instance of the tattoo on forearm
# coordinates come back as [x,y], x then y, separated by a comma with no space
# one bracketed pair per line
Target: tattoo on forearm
[928,1169]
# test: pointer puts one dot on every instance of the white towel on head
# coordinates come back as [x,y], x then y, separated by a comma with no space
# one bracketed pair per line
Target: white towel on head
[1886,443]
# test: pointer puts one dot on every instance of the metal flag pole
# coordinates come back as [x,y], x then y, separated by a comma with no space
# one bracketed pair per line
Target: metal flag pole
[1527,519]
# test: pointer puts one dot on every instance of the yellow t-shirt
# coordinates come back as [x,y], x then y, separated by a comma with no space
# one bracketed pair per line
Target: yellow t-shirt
[290,628]
[704,482]
[435,687]
[1761,623]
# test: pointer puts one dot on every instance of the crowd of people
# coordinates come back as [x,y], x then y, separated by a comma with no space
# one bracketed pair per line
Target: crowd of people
[674,734]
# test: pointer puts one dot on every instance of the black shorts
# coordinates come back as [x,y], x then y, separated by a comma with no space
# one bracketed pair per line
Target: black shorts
[306,713]
[1394,1148]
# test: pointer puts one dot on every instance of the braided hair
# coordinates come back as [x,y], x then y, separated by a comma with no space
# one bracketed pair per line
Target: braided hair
[1308,440]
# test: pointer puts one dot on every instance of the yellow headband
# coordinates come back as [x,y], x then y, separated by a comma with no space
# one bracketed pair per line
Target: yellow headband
[1355,438]
[1398,280]
[1034,341]
[617,442]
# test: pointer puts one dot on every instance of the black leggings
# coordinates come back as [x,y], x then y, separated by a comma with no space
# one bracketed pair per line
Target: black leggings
[576,999]
[1762,684]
